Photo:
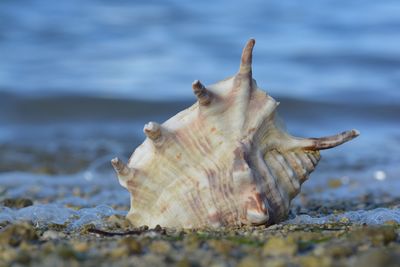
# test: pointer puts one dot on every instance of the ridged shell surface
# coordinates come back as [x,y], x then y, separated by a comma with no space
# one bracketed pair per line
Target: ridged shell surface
[221,162]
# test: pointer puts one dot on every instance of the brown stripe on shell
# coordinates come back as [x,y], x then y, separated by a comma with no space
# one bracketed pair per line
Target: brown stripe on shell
[256,207]
[192,205]
[282,172]
[305,161]
[241,177]
[190,142]
[229,196]
[314,156]
[221,200]
[141,193]
[227,200]
[297,166]
[221,190]
[277,198]
[212,181]
[292,175]
[196,206]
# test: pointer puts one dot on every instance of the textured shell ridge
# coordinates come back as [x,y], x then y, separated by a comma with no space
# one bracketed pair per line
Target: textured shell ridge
[224,161]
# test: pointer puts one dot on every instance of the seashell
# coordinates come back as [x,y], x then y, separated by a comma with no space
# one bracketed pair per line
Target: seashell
[221,162]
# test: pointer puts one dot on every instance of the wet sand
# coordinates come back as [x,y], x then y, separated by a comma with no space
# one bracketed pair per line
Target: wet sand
[119,244]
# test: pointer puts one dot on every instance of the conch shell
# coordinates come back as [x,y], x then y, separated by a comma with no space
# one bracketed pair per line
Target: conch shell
[221,162]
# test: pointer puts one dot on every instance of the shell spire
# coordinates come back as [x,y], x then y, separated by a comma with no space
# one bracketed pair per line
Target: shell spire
[220,163]
[247,58]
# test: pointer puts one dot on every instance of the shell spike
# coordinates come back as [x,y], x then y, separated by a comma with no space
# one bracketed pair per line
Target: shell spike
[330,141]
[247,58]
[120,168]
[202,94]
[152,130]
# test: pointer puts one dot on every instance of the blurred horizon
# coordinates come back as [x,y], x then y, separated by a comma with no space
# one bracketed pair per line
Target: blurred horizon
[338,51]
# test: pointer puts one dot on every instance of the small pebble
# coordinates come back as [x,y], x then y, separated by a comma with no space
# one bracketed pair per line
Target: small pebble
[50,234]
[160,247]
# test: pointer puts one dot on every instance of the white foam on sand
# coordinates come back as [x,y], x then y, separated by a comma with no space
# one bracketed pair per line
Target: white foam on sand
[377,216]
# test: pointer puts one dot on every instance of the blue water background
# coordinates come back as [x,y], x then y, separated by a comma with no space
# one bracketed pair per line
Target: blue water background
[332,49]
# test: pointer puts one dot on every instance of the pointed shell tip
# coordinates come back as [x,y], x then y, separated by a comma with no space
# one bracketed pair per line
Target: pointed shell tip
[355,132]
[115,162]
[246,59]
[152,130]
[201,93]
